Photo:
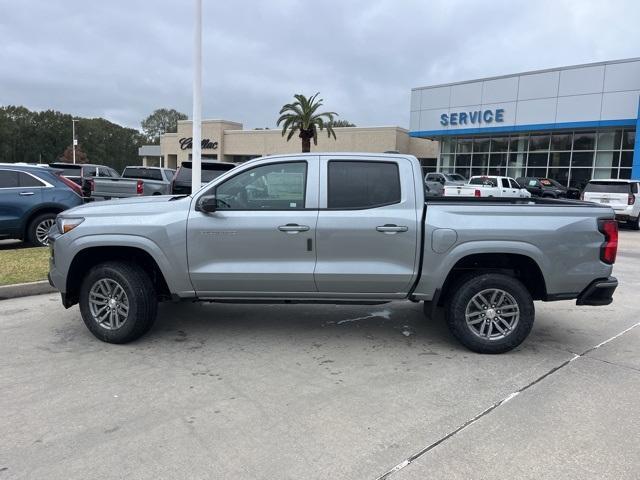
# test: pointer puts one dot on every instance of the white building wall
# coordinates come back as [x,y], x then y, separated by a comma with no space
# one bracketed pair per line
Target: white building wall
[586,93]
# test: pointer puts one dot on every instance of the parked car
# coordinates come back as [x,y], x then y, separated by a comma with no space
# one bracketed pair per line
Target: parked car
[30,199]
[547,187]
[435,182]
[488,186]
[621,195]
[333,228]
[83,173]
[209,171]
[135,181]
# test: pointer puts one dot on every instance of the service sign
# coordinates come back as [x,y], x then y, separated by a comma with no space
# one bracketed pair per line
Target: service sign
[475,117]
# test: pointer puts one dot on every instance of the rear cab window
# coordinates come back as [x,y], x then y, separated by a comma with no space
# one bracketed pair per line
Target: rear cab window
[142,173]
[489,182]
[362,184]
[608,187]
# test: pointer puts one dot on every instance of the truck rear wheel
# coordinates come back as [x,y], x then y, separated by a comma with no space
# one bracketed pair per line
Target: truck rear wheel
[490,313]
[118,302]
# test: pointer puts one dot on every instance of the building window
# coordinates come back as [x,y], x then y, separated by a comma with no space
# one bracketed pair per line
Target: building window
[570,157]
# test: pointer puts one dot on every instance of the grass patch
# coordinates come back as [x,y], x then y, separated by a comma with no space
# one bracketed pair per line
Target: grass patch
[23,265]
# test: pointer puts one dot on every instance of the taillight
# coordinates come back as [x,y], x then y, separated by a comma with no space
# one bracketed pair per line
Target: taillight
[477,193]
[609,249]
[632,199]
[139,187]
[92,185]
[71,184]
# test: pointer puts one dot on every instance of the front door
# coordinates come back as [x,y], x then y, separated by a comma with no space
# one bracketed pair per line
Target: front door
[261,240]
[368,226]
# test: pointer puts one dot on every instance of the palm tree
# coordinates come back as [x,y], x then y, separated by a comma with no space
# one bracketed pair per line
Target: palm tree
[300,116]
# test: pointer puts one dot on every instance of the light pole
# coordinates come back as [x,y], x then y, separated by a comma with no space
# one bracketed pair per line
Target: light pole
[197,106]
[73,130]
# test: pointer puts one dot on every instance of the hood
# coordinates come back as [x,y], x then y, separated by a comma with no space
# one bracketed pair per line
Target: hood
[131,206]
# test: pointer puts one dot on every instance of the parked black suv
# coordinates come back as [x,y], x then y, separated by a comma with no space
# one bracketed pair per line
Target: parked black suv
[547,187]
[210,170]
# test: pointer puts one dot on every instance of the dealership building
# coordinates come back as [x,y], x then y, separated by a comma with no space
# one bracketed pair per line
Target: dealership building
[571,123]
[227,141]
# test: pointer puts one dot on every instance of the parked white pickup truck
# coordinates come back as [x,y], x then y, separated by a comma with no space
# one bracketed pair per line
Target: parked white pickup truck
[488,186]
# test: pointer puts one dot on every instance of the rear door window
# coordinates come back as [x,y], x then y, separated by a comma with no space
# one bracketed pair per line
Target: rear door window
[505,183]
[27,180]
[9,179]
[608,187]
[355,184]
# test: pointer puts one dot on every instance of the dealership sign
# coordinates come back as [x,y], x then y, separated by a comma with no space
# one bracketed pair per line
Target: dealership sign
[186,143]
[476,117]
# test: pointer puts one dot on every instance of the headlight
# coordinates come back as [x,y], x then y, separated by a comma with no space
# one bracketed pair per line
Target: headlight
[67,224]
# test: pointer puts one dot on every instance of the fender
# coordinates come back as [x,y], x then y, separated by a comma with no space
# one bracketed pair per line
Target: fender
[175,273]
[436,267]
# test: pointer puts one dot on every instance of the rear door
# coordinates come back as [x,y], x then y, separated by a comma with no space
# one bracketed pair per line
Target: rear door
[368,226]
[260,241]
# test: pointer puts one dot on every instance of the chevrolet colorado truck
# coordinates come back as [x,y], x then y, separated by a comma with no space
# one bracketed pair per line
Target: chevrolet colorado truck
[333,228]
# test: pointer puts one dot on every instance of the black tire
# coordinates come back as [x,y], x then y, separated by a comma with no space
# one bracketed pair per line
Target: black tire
[36,225]
[140,295]
[635,223]
[466,289]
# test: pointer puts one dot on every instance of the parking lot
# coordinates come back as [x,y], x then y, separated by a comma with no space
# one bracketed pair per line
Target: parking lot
[241,391]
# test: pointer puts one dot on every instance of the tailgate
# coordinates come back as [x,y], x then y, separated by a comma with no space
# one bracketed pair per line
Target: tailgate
[460,190]
[610,199]
[114,187]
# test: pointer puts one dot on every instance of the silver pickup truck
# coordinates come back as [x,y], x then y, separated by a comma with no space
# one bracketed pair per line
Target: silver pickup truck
[135,182]
[333,228]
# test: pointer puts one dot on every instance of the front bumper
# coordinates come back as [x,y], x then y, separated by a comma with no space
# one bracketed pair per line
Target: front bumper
[599,292]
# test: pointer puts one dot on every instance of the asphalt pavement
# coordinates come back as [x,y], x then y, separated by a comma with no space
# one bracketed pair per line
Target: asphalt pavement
[318,392]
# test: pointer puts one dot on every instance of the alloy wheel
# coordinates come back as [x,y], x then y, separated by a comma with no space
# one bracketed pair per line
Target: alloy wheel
[42,231]
[492,314]
[108,304]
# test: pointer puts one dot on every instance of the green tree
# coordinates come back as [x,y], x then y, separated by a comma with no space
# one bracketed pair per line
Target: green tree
[342,123]
[161,121]
[302,116]
[27,136]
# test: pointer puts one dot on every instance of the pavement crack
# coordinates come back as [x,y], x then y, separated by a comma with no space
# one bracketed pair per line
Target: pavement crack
[627,367]
[490,409]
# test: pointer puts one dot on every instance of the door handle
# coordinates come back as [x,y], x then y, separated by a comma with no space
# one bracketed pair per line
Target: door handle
[390,229]
[293,228]
[25,194]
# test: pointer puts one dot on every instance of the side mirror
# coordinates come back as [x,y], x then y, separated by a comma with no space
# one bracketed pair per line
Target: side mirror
[207,204]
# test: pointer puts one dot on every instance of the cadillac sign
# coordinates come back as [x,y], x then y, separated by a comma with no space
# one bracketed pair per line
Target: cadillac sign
[186,143]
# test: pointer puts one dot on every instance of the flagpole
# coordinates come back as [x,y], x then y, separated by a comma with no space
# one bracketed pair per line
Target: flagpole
[196,151]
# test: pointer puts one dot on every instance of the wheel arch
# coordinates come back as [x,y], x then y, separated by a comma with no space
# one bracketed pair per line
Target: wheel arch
[39,210]
[517,265]
[91,256]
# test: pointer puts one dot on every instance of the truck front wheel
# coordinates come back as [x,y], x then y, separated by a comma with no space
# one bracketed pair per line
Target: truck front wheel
[118,302]
[490,313]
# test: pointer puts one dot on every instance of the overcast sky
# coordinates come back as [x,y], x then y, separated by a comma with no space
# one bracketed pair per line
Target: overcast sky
[122,59]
